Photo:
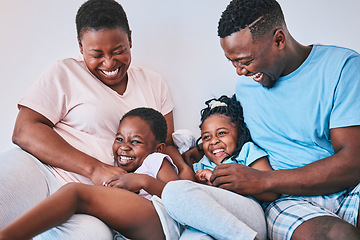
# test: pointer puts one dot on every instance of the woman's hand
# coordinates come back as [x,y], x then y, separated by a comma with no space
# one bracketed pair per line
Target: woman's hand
[104,173]
[131,181]
[203,176]
[34,133]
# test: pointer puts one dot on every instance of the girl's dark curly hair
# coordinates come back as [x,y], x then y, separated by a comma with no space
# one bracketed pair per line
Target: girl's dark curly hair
[234,111]
[101,14]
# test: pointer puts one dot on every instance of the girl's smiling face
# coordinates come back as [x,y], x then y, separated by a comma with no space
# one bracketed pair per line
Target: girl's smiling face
[133,143]
[219,136]
[107,55]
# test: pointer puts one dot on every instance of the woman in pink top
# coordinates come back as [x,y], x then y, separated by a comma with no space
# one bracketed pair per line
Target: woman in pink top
[68,118]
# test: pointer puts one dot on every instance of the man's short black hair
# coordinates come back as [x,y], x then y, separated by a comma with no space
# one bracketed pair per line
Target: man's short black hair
[260,16]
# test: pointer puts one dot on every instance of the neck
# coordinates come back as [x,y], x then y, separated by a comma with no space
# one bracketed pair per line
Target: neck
[296,55]
[121,87]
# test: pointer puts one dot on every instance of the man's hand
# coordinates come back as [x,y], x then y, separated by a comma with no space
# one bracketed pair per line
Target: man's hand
[239,178]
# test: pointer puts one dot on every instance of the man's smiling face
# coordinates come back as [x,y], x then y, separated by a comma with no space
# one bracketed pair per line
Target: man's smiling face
[257,60]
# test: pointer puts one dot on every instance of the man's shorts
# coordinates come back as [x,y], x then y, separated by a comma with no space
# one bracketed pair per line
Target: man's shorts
[287,213]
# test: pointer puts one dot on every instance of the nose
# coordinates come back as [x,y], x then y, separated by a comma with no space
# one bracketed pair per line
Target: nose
[123,146]
[109,62]
[240,70]
[214,140]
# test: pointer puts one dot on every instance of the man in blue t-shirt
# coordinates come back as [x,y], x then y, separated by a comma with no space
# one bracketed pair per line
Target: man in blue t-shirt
[302,106]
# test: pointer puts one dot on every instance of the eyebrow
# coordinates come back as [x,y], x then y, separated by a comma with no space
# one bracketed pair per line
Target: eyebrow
[118,47]
[238,59]
[218,129]
[133,136]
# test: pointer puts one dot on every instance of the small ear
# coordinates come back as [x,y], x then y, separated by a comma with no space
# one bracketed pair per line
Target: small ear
[279,38]
[80,46]
[160,147]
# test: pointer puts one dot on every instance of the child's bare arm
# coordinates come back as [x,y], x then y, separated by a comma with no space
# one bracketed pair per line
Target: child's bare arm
[263,164]
[135,182]
[167,172]
[165,175]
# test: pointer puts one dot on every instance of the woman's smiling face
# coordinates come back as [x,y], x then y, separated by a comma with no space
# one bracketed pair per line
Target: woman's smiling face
[107,55]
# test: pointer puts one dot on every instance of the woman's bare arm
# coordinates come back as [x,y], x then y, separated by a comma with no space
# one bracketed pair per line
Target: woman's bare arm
[185,172]
[34,133]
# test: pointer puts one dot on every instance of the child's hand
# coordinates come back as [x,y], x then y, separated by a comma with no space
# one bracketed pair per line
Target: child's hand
[203,176]
[131,181]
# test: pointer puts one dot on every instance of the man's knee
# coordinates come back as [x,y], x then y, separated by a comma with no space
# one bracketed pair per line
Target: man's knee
[326,227]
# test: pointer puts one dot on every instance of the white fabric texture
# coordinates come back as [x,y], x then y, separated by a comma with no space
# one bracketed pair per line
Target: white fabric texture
[151,166]
[183,139]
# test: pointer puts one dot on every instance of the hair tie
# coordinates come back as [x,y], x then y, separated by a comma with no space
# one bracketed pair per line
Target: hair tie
[217,104]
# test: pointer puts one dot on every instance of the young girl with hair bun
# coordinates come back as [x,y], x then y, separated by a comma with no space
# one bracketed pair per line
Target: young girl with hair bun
[217,212]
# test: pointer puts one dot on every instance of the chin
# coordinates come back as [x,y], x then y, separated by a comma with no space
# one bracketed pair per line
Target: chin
[268,83]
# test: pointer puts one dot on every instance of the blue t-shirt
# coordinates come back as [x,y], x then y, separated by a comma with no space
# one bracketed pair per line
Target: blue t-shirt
[249,153]
[292,120]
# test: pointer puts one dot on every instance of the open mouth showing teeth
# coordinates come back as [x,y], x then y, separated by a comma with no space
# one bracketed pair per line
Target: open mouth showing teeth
[217,151]
[125,159]
[257,77]
[110,73]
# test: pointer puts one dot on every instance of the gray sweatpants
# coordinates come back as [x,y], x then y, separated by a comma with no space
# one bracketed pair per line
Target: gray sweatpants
[220,213]
[24,182]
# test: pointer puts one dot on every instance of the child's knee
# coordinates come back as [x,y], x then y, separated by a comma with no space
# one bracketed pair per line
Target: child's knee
[175,191]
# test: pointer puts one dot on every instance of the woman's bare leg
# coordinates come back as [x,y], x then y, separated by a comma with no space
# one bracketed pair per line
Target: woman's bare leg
[133,216]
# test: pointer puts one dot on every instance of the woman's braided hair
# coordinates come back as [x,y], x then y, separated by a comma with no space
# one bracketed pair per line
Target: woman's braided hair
[231,108]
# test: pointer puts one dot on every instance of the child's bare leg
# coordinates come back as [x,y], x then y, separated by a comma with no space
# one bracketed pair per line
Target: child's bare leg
[49,213]
[130,214]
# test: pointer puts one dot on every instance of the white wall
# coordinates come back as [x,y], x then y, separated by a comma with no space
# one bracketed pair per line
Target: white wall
[178,39]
